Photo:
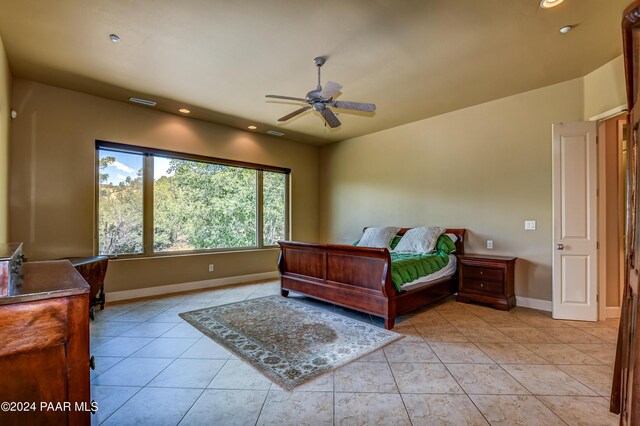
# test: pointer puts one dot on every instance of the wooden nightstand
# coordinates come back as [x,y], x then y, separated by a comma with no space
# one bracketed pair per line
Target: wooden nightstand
[487,279]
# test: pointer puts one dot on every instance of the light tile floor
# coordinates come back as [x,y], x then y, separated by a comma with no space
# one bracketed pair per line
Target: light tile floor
[458,365]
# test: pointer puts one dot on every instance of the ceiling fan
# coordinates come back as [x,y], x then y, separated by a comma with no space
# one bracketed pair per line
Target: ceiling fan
[321,98]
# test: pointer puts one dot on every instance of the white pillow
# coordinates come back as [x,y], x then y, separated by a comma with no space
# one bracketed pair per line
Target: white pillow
[419,240]
[379,237]
[453,237]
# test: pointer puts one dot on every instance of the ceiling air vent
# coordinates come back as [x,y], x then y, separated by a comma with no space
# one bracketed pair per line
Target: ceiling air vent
[143,101]
[274,133]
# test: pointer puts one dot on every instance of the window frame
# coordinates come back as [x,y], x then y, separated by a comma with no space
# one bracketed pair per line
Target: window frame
[148,199]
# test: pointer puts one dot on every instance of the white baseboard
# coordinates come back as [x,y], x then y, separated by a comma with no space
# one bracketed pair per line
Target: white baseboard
[612,312]
[115,296]
[525,302]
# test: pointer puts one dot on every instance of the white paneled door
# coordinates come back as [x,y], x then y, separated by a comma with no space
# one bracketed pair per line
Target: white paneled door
[575,221]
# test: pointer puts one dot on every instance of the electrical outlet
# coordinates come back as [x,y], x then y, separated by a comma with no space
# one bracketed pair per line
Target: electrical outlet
[490,244]
[530,225]
[211,267]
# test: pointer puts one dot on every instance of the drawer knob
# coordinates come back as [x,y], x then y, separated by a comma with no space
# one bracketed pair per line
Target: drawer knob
[92,362]
[481,272]
[481,284]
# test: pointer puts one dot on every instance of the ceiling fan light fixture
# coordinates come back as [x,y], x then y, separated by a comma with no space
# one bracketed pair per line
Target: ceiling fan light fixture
[548,4]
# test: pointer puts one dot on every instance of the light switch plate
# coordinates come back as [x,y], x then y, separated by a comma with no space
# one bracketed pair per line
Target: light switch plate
[490,244]
[530,225]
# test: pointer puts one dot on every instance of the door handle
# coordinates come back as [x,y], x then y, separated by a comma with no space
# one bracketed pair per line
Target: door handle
[559,246]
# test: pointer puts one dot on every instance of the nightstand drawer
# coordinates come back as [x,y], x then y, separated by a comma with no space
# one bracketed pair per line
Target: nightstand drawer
[482,286]
[482,273]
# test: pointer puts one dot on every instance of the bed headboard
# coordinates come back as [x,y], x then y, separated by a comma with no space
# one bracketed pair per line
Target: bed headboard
[458,232]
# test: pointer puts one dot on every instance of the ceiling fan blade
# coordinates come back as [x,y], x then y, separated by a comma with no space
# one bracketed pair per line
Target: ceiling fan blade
[330,89]
[286,97]
[330,118]
[357,106]
[294,113]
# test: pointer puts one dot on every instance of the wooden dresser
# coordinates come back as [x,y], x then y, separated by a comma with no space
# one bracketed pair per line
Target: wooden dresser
[44,347]
[487,279]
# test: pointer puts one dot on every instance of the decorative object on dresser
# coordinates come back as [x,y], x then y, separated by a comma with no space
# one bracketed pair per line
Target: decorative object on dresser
[487,279]
[11,259]
[93,270]
[358,278]
[288,341]
[44,347]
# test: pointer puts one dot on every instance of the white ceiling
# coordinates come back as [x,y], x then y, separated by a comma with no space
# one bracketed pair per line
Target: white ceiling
[413,58]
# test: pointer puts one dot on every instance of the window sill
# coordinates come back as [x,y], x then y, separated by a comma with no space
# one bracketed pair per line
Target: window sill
[124,258]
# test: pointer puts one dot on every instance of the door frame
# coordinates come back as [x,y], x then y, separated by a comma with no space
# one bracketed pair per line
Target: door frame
[604,311]
[602,218]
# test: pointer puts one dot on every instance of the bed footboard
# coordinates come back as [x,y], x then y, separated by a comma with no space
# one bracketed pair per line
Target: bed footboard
[354,277]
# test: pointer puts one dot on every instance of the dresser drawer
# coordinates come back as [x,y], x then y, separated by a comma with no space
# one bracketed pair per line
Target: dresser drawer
[30,326]
[482,273]
[482,286]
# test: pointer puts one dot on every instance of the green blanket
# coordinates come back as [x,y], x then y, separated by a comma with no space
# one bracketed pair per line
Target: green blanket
[407,267]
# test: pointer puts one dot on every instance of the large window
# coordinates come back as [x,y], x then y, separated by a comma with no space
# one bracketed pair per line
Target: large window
[274,207]
[120,216]
[153,201]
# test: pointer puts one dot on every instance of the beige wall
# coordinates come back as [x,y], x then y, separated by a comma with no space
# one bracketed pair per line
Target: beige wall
[604,88]
[53,178]
[486,168]
[5,119]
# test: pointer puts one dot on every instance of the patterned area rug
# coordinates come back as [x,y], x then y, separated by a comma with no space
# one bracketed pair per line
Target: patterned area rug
[288,341]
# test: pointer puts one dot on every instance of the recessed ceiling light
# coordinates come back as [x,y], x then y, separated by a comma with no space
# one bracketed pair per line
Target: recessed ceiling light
[566,29]
[114,38]
[184,111]
[252,127]
[548,4]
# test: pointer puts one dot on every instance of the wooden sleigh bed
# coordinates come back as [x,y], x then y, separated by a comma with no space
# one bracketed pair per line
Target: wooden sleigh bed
[358,278]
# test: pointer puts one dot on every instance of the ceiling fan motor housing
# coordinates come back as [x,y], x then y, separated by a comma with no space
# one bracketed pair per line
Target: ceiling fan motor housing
[319,61]
[313,96]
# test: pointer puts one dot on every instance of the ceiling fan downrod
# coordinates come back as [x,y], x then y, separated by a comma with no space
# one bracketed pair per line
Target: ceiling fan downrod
[319,61]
